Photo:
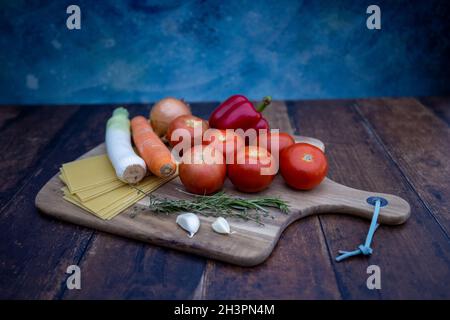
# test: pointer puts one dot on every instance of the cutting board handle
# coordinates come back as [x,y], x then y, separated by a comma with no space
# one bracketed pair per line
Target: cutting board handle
[343,199]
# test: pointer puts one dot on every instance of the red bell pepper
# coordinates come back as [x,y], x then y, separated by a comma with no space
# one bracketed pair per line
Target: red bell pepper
[237,112]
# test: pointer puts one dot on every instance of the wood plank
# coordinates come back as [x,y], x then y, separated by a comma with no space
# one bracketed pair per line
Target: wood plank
[285,275]
[25,141]
[36,250]
[414,258]
[298,268]
[439,105]
[46,283]
[419,143]
[9,113]
[145,271]
[117,268]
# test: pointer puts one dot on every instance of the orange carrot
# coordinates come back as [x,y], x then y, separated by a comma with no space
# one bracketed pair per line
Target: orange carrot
[158,158]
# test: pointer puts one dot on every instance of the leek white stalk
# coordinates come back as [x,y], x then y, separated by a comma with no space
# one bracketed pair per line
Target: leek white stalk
[129,166]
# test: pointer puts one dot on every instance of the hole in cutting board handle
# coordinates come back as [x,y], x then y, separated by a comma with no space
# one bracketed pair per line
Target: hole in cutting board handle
[373,200]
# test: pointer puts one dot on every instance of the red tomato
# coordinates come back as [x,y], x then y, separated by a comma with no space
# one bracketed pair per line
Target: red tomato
[284,140]
[246,175]
[194,126]
[303,166]
[200,176]
[228,143]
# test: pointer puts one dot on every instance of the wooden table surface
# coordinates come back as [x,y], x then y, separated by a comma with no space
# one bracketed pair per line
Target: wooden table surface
[399,146]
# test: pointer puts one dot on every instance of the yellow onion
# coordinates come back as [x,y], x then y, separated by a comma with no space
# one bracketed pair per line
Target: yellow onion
[164,111]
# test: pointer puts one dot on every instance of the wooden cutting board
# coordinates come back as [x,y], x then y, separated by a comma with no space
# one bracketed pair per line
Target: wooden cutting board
[251,243]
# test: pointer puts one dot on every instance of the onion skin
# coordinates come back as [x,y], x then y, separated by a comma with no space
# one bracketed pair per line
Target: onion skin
[164,111]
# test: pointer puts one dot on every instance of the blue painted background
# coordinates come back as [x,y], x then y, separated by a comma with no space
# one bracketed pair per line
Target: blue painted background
[140,51]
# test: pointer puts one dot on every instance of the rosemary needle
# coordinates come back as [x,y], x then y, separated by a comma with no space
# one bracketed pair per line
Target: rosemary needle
[219,204]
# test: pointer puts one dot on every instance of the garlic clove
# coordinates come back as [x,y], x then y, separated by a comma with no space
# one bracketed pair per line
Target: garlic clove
[189,222]
[220,225]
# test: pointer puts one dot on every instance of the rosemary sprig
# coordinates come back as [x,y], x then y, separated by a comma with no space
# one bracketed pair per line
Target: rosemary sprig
[219,204]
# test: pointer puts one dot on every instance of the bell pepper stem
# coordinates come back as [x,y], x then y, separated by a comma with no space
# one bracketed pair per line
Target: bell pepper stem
[266,101]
